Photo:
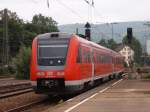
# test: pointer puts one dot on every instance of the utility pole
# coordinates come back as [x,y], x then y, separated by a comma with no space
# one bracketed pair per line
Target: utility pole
[112,29]
[5,39]
[1,38]
[77,31]
[129,35]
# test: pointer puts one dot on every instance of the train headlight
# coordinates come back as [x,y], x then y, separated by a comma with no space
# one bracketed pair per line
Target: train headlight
[40,73]
[60,73]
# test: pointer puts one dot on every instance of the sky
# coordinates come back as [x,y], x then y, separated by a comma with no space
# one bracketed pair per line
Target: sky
[78,11]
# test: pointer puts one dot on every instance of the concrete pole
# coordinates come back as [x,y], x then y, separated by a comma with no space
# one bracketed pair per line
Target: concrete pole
[5,39]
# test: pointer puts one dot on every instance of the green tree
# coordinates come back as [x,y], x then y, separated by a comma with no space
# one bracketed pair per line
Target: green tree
[136,46]
[103,42]
[22,63]
[15,31]
[44,24]
[111,44]
[23,33]
[40,24]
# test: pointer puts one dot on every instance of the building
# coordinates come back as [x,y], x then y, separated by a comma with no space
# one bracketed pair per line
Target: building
[126,52]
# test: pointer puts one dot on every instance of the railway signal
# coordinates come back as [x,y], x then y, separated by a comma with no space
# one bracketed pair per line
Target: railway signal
[129,35]
[88,31]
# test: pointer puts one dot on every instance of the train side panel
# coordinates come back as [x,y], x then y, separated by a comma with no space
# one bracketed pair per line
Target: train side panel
[73,73]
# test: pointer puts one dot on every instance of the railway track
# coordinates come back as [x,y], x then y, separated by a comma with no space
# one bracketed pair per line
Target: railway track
[14,89]
[26,106]
[6,95]
[39,103]
[6,79]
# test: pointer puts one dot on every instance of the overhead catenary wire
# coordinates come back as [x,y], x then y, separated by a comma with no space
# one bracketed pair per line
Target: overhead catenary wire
[90,4]
[92,9]
[70,9]
[48,3]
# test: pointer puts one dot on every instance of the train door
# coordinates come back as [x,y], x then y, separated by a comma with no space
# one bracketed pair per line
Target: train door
[113,65]
[80,61]
[93,66]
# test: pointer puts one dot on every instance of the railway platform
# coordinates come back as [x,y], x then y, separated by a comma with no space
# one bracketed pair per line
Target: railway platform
[119,96]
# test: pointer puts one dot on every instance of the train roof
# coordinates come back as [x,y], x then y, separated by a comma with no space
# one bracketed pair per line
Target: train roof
[54,34]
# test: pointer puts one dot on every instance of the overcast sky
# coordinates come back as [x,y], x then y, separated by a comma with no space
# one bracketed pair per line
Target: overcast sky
[76,11]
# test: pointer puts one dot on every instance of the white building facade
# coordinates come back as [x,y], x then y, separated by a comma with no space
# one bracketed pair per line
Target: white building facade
[127,53]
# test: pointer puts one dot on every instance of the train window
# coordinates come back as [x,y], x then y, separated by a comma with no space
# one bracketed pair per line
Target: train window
[108,59]
[84,56]
[105,57]
[102,59]
[97,58]
[55,55]
[94,56]
[89,57]
[52,51]
[79,56]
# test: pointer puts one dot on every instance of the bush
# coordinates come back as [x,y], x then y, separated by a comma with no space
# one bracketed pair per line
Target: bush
[22,63]
[4,70]
[146,76]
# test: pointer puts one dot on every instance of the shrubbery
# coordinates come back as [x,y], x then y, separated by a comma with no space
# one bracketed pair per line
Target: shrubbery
[22,63]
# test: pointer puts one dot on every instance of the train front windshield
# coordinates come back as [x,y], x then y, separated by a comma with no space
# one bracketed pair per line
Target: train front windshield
[52,52]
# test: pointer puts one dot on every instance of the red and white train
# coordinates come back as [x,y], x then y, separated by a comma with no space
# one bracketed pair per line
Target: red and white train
[66,63]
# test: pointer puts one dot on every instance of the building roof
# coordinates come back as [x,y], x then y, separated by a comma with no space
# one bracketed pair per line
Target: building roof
[119,47]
